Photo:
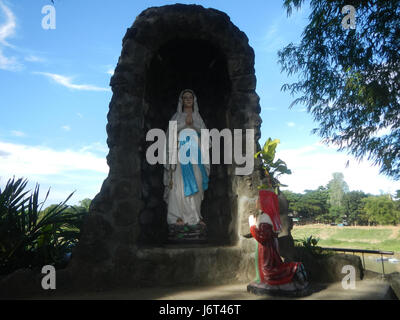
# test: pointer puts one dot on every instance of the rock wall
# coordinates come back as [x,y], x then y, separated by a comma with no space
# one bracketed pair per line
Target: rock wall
[168,49]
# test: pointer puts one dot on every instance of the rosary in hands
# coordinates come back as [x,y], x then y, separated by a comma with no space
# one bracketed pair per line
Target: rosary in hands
[252,221]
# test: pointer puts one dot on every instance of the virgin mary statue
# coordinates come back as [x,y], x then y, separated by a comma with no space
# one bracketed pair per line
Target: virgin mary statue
[186,181]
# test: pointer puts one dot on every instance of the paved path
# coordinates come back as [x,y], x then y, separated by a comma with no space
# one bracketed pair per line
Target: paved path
[370,289]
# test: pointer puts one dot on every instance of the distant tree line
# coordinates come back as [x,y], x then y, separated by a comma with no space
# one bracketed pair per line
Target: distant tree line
[334,203]
[83,206]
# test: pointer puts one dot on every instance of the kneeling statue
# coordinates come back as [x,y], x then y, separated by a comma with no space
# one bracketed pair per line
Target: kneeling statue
[273,275]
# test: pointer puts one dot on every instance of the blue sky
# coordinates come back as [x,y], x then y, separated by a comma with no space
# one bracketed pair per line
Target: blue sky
[54,94]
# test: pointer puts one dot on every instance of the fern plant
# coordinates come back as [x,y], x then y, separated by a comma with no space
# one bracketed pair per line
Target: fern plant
[30,237]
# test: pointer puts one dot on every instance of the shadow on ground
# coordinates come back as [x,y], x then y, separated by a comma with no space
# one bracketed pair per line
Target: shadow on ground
[236,291]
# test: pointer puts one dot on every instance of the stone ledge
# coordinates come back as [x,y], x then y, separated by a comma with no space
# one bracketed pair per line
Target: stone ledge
[193,264]
[394,281]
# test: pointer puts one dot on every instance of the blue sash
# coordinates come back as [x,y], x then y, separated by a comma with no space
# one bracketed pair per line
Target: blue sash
[189,180]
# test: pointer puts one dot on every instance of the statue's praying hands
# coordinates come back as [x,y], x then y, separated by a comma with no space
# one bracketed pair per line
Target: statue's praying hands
[189,118]
[188,107]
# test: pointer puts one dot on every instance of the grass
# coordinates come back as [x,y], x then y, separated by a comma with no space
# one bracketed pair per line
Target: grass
[317,232]
[373,238]
[363,234]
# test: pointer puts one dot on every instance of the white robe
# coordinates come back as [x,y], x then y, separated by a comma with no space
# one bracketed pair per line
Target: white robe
[188,208]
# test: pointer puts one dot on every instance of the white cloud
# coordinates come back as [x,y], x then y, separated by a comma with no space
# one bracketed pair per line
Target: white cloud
[79,115]
[109,69]
[4,153]
[313,166]
[33,58]
[67,82]
[7,30]
[66,128]
[26,160]
[290,124]
[9,64]
[17,133]
[64,171]
[96,146]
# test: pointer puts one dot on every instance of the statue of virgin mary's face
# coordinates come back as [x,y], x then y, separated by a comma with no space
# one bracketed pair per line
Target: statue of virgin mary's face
[187,101]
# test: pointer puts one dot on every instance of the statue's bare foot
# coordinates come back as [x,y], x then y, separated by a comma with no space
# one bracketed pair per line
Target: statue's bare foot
[179,222]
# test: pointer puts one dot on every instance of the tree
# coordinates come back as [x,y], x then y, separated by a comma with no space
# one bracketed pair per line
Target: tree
[82,207]
[381,210]
[353,205]
[336,214]
[315,202]
[397,196]
[337,188]
[85,204]
[349,79]
[293,201]
[310,205]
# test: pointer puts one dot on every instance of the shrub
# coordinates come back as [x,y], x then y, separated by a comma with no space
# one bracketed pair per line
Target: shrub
[310,244]
[31,238]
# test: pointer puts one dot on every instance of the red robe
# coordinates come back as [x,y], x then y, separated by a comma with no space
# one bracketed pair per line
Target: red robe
[272,269]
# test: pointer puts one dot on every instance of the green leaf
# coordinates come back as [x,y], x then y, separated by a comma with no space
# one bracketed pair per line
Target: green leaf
[29,237]
[269,149]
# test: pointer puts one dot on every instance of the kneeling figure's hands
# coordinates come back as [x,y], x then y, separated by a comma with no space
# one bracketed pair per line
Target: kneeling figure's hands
[252,221]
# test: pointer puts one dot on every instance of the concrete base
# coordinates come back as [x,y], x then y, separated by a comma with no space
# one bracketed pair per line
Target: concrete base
[365,290]
[288,290]
[193,264]
[168,266]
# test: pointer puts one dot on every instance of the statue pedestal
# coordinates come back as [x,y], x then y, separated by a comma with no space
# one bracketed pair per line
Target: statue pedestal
[181,234]
[292,289]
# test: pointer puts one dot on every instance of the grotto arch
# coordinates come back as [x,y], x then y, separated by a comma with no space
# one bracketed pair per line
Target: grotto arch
[129,211]
[171,70]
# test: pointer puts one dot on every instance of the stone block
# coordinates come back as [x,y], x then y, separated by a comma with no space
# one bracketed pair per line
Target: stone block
[91,252]
[394,280]
[126,212]
[244,83]
[20,283]
[94,228]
